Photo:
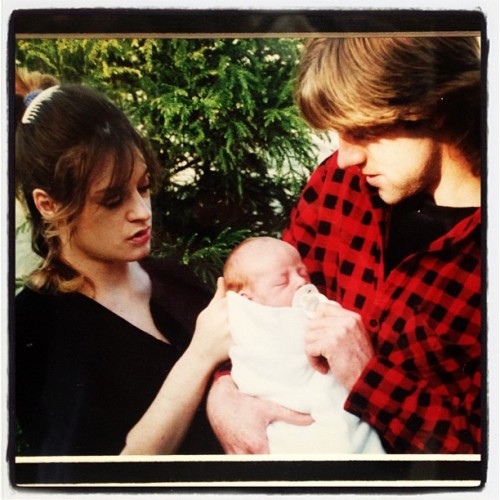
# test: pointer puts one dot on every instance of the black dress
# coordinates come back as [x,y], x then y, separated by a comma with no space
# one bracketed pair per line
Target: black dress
[85,376]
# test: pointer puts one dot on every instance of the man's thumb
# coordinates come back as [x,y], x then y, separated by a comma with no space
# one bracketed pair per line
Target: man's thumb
[295,418]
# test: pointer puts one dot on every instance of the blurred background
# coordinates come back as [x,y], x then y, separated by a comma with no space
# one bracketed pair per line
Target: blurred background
[221,118]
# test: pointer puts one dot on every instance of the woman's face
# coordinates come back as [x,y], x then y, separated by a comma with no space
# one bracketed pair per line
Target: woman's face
[114,225]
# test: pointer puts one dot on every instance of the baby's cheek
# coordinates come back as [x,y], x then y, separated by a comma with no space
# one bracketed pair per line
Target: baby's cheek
[284,298]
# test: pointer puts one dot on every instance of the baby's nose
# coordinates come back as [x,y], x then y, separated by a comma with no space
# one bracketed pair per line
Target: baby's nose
[300,281]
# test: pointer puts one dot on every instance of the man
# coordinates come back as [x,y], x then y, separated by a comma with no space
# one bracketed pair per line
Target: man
[389,227]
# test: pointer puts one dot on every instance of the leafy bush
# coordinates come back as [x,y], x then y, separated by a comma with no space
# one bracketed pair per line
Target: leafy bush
[219,114]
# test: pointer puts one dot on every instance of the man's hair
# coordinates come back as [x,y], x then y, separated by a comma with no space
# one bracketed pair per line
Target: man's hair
[357,84]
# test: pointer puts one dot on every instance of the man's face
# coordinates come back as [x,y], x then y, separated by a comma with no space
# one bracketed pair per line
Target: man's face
[399,163]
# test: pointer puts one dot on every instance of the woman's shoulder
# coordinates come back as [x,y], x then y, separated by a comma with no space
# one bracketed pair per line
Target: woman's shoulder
[54,315]
[28,299]
[165,266]
[176,290]
[174,277]
[30,302]
[42,321]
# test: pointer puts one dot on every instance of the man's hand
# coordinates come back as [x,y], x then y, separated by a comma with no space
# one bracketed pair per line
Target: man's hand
[337,340]
[240,421]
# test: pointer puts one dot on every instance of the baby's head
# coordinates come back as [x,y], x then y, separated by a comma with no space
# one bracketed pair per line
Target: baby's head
[266,270]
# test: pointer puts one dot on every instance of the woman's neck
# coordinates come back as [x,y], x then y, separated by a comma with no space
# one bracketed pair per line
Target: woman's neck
[103,277]
[125,289]
[113,278]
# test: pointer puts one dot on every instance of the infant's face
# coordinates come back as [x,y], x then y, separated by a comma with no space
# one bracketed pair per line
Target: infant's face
[277,273]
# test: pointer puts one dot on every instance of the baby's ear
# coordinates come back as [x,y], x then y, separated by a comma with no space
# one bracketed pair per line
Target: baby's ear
[244,293]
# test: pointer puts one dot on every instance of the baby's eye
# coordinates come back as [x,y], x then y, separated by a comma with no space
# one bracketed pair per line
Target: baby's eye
[279,284]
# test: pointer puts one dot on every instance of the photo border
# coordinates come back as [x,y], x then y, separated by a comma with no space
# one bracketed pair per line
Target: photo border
[423,473]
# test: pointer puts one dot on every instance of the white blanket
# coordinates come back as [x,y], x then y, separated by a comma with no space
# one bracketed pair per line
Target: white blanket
[269,361]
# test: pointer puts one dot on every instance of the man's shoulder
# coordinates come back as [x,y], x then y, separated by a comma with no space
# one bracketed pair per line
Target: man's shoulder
[330,184]
[330,172]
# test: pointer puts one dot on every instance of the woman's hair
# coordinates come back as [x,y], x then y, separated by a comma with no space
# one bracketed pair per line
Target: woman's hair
[30,82]
[63,141]
[356,84]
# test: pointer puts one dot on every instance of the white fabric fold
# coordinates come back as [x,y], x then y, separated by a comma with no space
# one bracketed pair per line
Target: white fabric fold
[269,361]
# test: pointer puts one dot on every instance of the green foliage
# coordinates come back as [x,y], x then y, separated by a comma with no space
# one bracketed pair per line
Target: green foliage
[220,116]
[207,258]
[23,227]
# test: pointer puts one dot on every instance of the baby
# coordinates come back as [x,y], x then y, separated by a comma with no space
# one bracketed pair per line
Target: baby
[270,301]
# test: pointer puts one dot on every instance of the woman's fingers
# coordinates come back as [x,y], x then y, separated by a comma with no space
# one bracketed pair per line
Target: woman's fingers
[220,291]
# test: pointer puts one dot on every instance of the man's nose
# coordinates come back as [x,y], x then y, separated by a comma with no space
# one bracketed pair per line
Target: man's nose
[350,154]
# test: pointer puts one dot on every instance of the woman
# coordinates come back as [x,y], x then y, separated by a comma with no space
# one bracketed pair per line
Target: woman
[105,362]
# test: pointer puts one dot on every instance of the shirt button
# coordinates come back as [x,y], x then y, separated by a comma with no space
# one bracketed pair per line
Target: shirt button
[373,323]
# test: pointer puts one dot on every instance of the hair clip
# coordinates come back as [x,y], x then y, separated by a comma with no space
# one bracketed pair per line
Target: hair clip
[34,106]
[29,97]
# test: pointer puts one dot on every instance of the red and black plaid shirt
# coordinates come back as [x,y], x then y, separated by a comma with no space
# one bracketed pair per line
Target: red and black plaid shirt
[422,390]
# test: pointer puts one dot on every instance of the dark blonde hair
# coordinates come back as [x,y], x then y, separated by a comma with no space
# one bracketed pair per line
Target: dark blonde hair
[355,84]
[62,149]
[234,273]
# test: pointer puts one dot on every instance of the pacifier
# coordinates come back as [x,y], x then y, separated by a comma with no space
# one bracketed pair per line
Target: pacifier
[308,298]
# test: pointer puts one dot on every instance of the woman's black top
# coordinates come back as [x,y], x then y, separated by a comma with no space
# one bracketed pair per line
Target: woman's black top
[85,376]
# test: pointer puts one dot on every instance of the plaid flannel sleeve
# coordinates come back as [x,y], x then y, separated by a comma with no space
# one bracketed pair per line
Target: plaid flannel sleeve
[423,389]
[415,416]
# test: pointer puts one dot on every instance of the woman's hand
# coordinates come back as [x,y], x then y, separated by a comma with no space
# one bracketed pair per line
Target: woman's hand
[211,339]
[337,340]
[240,421]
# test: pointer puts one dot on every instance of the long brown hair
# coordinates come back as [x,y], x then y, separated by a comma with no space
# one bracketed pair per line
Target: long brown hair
[61,146]
[348,84]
